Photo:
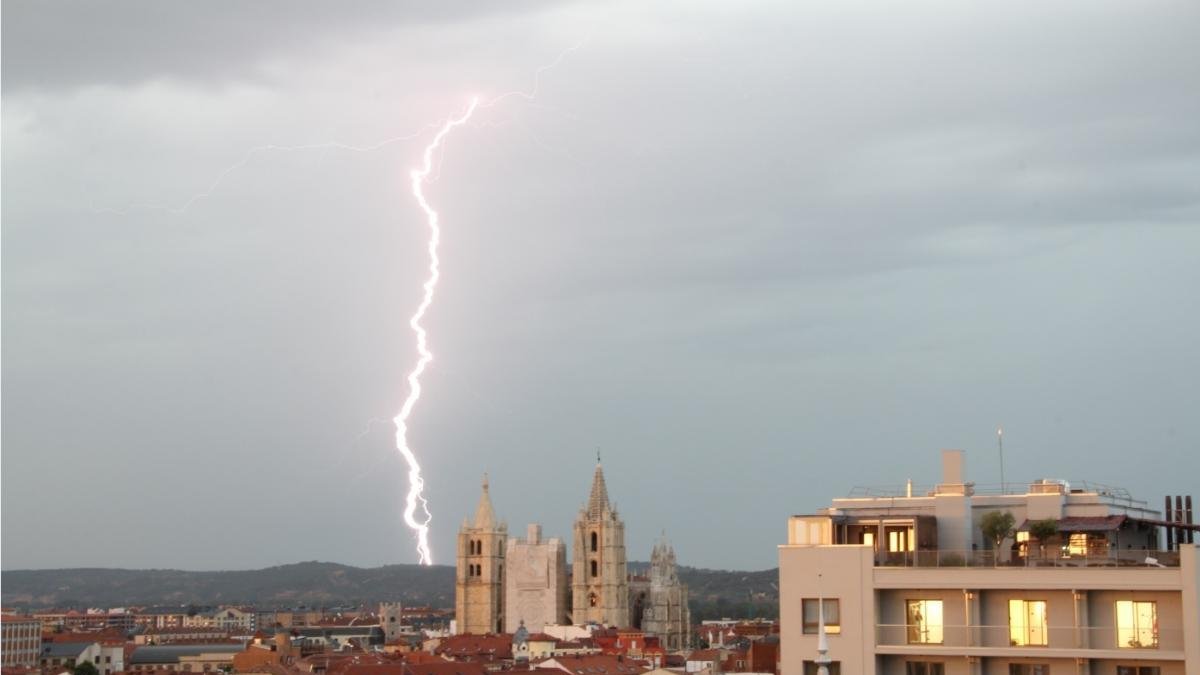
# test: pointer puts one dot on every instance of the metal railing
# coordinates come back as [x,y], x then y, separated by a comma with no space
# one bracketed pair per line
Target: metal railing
[1051,557]
[1031,637]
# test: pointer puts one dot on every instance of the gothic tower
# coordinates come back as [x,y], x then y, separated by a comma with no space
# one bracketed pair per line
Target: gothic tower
[599,583]
[665,612]
[479,585]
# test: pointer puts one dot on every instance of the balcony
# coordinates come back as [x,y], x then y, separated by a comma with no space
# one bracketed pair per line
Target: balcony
[1053,557]
[1052,641]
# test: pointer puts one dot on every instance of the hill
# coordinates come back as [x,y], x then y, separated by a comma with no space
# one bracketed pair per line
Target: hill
[714,593]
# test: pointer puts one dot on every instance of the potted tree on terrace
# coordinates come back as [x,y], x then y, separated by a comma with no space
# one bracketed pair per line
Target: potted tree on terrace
[996,527]
[1043,531]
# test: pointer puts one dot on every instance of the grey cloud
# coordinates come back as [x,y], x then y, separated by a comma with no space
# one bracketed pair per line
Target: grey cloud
[64,44]
[778,242]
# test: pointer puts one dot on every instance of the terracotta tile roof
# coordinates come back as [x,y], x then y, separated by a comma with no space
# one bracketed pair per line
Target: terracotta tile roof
[595,664]
[705,655]
[482,647]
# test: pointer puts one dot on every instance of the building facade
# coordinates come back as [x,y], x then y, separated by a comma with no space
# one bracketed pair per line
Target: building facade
[600,582]
[660,602]
[391,620]
[479,584]
[535,592]
[908,584]
[20,641]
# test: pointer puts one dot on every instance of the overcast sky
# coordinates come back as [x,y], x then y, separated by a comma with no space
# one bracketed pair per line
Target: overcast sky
[758,254]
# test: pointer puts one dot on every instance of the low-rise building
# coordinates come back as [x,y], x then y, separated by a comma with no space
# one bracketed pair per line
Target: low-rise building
[197,658]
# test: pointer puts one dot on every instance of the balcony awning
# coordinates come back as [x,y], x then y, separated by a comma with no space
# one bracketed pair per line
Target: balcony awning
[1083,524]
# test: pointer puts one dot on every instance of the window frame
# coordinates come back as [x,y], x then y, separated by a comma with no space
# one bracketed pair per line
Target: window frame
[908,625]
[832,626]
[1045,630]
[1136,631]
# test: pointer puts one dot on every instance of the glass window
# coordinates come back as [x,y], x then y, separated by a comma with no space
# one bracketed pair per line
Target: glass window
[1027,623]
[1138,670]
[925,622]
[810,668]
[833,618]
[1077,543]
[925,668]
[1028,669]
[868,538]
[1137,624]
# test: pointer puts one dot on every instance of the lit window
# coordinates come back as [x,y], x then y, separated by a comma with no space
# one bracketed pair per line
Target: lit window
[833,617]
[900,541]
[1137,624]
[1077,543]
[1027,623]
[925,622]
[925,668]
[868,538]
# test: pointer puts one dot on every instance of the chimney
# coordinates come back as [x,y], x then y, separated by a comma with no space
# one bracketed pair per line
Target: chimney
[954,467]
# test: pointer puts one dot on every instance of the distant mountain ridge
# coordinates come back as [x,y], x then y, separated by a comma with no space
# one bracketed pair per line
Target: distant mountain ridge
[324,584]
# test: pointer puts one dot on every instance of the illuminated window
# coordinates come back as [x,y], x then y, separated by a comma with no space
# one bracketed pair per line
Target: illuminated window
[1027,623]
[868,538]
[833,617]
[1077,543]
[1028,669]
[591,599]
[1137,624]
[900,541]
[925,622]
[925,668]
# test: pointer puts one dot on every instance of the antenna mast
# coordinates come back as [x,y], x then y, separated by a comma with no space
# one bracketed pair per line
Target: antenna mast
[1000,443]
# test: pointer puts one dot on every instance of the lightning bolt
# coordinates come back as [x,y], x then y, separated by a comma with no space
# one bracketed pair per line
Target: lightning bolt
[416,484]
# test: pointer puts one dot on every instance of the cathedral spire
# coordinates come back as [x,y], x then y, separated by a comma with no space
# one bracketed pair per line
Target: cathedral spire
[485,517]
[598,501]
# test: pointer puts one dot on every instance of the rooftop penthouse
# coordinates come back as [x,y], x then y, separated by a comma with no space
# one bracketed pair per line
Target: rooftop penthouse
[942,525]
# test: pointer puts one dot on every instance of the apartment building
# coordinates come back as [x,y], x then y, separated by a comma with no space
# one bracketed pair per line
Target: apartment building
[910,585]
[21,641]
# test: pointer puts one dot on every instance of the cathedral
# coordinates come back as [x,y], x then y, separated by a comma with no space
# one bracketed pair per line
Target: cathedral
[534,591]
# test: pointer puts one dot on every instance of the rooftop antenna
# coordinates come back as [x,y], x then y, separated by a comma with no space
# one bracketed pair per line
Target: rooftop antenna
[1000,443]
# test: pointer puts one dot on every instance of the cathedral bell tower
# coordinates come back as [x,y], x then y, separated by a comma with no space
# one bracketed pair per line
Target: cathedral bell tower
[479,584]
[599,583]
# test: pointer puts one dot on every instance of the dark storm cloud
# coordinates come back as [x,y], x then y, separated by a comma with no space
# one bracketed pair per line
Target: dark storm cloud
[806,245]
[67,44]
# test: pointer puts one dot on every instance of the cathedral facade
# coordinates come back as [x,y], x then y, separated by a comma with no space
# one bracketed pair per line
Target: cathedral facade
[535,590]
[503,584]
[479,582]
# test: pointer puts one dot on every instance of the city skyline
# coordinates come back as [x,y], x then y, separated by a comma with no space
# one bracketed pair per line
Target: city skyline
[757,257]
